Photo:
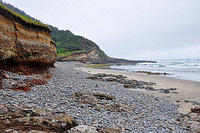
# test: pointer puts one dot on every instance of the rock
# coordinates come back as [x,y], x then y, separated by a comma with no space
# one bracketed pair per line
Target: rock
[121,79]
[35,119]
[169,90]
[83,129]
[103,96]
[24,42]
[109,79]
[165,73]
[149,88]
[110,130]
[79,56]
[85,98]
[164,91]
[95,100]
[195,127]
[6,76]
[93,78]
[191,120]
[195,110]
[91,98]
[193,115]
[127,85]
[172,89]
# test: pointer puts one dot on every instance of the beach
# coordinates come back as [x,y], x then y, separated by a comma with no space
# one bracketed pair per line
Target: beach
[95,103]
[186,96]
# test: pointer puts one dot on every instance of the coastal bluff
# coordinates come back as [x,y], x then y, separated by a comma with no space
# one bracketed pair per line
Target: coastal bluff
[24,41]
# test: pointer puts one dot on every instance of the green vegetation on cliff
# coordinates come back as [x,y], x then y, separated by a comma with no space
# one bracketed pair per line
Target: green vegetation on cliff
[67,42]
[97,65]
[23,17]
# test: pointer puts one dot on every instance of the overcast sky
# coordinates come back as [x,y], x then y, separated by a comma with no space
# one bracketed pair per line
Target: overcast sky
[132,29]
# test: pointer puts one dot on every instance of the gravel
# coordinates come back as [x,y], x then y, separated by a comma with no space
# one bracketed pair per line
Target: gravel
[150,114]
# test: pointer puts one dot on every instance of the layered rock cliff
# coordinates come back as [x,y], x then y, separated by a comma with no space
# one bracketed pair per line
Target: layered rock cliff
[23,41]
[91,56]
[76,48]
[72,47]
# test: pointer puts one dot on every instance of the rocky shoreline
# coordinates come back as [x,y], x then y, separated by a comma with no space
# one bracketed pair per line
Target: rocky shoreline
[102,106]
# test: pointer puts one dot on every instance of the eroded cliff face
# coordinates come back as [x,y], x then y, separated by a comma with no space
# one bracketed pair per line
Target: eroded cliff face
[92,56]
[24,43]
[79,57]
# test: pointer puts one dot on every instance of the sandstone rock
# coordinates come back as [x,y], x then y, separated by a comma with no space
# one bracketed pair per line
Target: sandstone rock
[98,102]
[85,98]
[79,57]
[25,120]
[91,54]
[24,42]
[83,129]
[110,130]
[192,120]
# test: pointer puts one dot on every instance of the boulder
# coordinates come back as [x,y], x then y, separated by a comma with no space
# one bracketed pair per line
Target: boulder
[29,119]
[191,120]
[83,129]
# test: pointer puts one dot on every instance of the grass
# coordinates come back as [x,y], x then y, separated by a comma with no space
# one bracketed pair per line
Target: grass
[58,44]
[25,18]
[63,53]
[96,65]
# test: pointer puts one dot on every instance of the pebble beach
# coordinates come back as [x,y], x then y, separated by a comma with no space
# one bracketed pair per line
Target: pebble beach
[127,110]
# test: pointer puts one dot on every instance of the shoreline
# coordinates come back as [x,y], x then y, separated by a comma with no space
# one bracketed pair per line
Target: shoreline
[88,102]
[186,96]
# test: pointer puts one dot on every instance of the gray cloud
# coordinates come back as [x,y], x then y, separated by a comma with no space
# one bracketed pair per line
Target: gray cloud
[133,29]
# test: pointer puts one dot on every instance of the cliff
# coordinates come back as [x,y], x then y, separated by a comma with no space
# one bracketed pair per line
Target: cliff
[72,47]
[23,40]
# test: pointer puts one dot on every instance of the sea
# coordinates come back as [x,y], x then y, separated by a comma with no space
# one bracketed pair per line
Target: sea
[188,69]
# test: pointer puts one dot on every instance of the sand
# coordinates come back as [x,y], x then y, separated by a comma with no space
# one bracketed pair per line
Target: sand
[188,92]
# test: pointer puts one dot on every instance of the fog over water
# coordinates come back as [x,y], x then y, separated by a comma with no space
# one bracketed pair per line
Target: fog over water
[131,29]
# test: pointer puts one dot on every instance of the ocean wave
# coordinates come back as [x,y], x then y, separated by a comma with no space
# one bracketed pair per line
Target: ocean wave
[176,67]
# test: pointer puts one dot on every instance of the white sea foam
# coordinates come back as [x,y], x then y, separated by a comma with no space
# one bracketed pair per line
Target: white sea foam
[180,68]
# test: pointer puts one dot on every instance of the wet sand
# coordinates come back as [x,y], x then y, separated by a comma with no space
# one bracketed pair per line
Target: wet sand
[188,92]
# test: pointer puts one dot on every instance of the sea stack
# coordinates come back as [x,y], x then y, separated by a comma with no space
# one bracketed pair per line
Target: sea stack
[24,41]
